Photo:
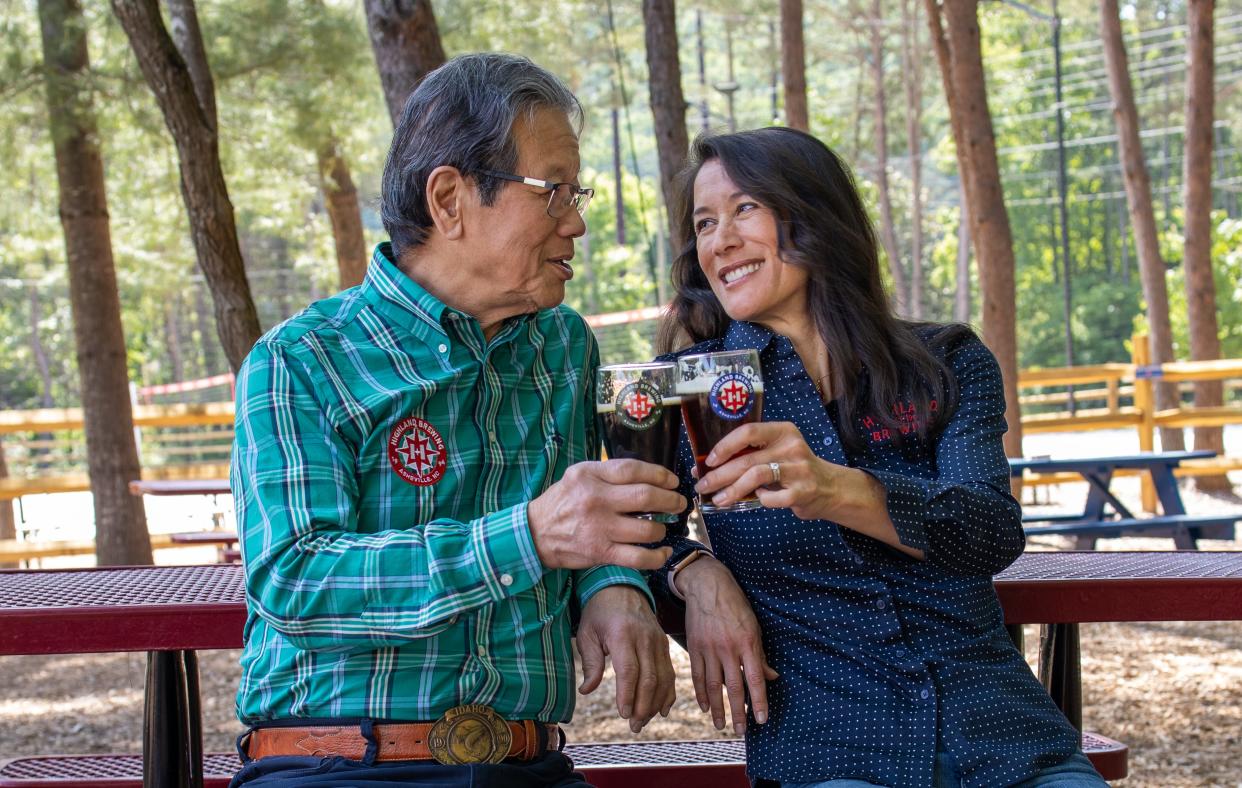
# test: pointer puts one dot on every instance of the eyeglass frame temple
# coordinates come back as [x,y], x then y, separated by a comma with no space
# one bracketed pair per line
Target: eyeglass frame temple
[579,192]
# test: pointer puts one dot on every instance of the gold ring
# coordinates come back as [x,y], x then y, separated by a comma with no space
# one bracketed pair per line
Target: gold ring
[775,467]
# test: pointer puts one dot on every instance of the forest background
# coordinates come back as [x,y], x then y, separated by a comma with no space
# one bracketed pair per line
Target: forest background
[291,75]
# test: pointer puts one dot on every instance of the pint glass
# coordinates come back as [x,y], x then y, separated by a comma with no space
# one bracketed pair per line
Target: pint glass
[640,416]
[719,393]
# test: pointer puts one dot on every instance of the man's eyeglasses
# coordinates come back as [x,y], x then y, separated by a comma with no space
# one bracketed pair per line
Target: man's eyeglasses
[561,198]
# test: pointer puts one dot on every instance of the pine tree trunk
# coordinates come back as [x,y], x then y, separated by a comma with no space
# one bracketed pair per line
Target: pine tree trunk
[1197,199]
[955,34]
[912,75]
[668,103]
[793,65]
[203,189]
[406,43]
[341,199]
[1142,217]
[888,238]
[120,519]
[188,38]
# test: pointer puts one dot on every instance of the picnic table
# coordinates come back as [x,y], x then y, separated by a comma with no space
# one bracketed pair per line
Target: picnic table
[179,487]
[212,487]
[173,611]
[1097,521]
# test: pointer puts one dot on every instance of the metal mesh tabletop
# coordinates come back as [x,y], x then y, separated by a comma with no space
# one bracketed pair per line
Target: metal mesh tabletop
[653,753]
[1092,565]
[122,586]
[121,609]
[1051,588]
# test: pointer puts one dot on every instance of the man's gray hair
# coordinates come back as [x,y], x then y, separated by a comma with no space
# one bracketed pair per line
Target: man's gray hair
[461,115]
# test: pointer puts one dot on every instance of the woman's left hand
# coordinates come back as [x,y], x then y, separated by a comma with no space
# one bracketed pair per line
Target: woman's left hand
[812,488]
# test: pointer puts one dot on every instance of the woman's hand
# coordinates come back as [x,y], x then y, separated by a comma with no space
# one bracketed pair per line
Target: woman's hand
[725,644]
[811,487]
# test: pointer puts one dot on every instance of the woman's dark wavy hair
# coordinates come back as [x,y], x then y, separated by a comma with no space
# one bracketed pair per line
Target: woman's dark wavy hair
[877,359]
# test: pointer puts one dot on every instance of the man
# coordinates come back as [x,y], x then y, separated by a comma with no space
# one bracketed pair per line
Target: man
[419,513]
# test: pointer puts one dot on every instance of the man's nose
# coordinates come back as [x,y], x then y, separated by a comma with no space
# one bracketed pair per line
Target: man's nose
[572,224]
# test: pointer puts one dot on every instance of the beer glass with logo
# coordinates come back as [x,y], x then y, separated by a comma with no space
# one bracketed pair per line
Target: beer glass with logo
[640,416]
[719,393]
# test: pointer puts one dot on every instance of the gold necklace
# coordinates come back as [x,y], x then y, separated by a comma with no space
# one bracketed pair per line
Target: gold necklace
[819,384]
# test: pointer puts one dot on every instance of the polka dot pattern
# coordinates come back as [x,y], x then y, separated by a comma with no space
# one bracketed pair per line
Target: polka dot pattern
[883,658]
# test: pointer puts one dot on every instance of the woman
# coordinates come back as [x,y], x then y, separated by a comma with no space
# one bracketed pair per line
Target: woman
[886,503]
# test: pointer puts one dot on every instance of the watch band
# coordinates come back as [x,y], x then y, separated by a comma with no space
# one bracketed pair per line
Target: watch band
[686,560]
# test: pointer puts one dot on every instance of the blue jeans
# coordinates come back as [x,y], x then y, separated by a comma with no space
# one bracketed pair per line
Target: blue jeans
[1076,772]
[553,770]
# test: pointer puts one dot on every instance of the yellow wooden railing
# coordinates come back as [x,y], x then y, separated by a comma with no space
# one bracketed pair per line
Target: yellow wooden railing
[1137,379]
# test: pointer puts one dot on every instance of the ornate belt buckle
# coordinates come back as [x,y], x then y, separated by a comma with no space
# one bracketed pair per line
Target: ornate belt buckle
[472,733]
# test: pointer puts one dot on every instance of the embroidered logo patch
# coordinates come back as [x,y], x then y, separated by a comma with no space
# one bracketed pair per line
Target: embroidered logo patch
[732,396]
[639,405]
[416,452]
[907,416]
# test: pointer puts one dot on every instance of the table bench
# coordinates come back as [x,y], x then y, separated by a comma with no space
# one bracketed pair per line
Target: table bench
[1096,521]
[172,611]
[709,763]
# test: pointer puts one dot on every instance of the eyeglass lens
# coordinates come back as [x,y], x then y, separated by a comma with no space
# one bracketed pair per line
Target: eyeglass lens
[564,197]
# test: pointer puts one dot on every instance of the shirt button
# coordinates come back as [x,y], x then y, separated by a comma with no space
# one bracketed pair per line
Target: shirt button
[482,651]
[443,348]
[828,440]
[924,694]
[881,604]
[901,652]
[506,579]
[858,559]
[491,435]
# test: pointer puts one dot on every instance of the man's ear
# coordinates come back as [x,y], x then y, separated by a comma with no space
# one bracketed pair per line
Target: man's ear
[447,193]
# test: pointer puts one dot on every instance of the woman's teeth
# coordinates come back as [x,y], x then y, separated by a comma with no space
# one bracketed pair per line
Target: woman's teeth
[738,273]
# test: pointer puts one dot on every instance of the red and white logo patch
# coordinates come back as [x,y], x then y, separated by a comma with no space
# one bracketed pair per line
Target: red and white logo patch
[416,452]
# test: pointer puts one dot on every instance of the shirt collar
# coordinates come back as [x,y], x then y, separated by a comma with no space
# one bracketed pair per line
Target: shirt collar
[399,298]
[747,336]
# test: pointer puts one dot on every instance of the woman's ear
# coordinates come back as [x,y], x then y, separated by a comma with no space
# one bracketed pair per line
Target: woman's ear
[447,191]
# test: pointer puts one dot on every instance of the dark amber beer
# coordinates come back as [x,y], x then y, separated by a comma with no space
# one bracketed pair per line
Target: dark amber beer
[706,429]
[656,444]
[719,393]
[639,415]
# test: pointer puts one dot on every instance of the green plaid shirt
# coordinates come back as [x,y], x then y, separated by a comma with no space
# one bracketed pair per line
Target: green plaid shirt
[384,456]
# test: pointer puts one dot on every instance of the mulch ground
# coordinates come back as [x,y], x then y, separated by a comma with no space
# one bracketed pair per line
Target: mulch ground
[1171,691]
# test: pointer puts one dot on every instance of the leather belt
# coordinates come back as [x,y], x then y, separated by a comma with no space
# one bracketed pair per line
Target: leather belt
[465,734]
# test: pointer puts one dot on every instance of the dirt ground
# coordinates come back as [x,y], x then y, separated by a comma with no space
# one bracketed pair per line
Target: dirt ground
[1171,691]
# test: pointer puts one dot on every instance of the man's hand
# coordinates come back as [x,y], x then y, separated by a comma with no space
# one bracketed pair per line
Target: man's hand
[725,645]
[618,622]
[582,520]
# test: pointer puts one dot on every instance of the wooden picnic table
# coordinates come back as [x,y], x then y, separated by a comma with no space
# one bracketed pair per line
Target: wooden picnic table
[180,487]
[173,611]
[1097,521]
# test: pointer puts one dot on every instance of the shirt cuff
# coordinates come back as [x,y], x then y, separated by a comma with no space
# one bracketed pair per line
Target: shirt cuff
[508,561]
[591,581]
[906,500]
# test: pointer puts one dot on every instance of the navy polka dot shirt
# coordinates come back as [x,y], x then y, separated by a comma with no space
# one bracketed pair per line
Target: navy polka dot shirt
[884,659]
